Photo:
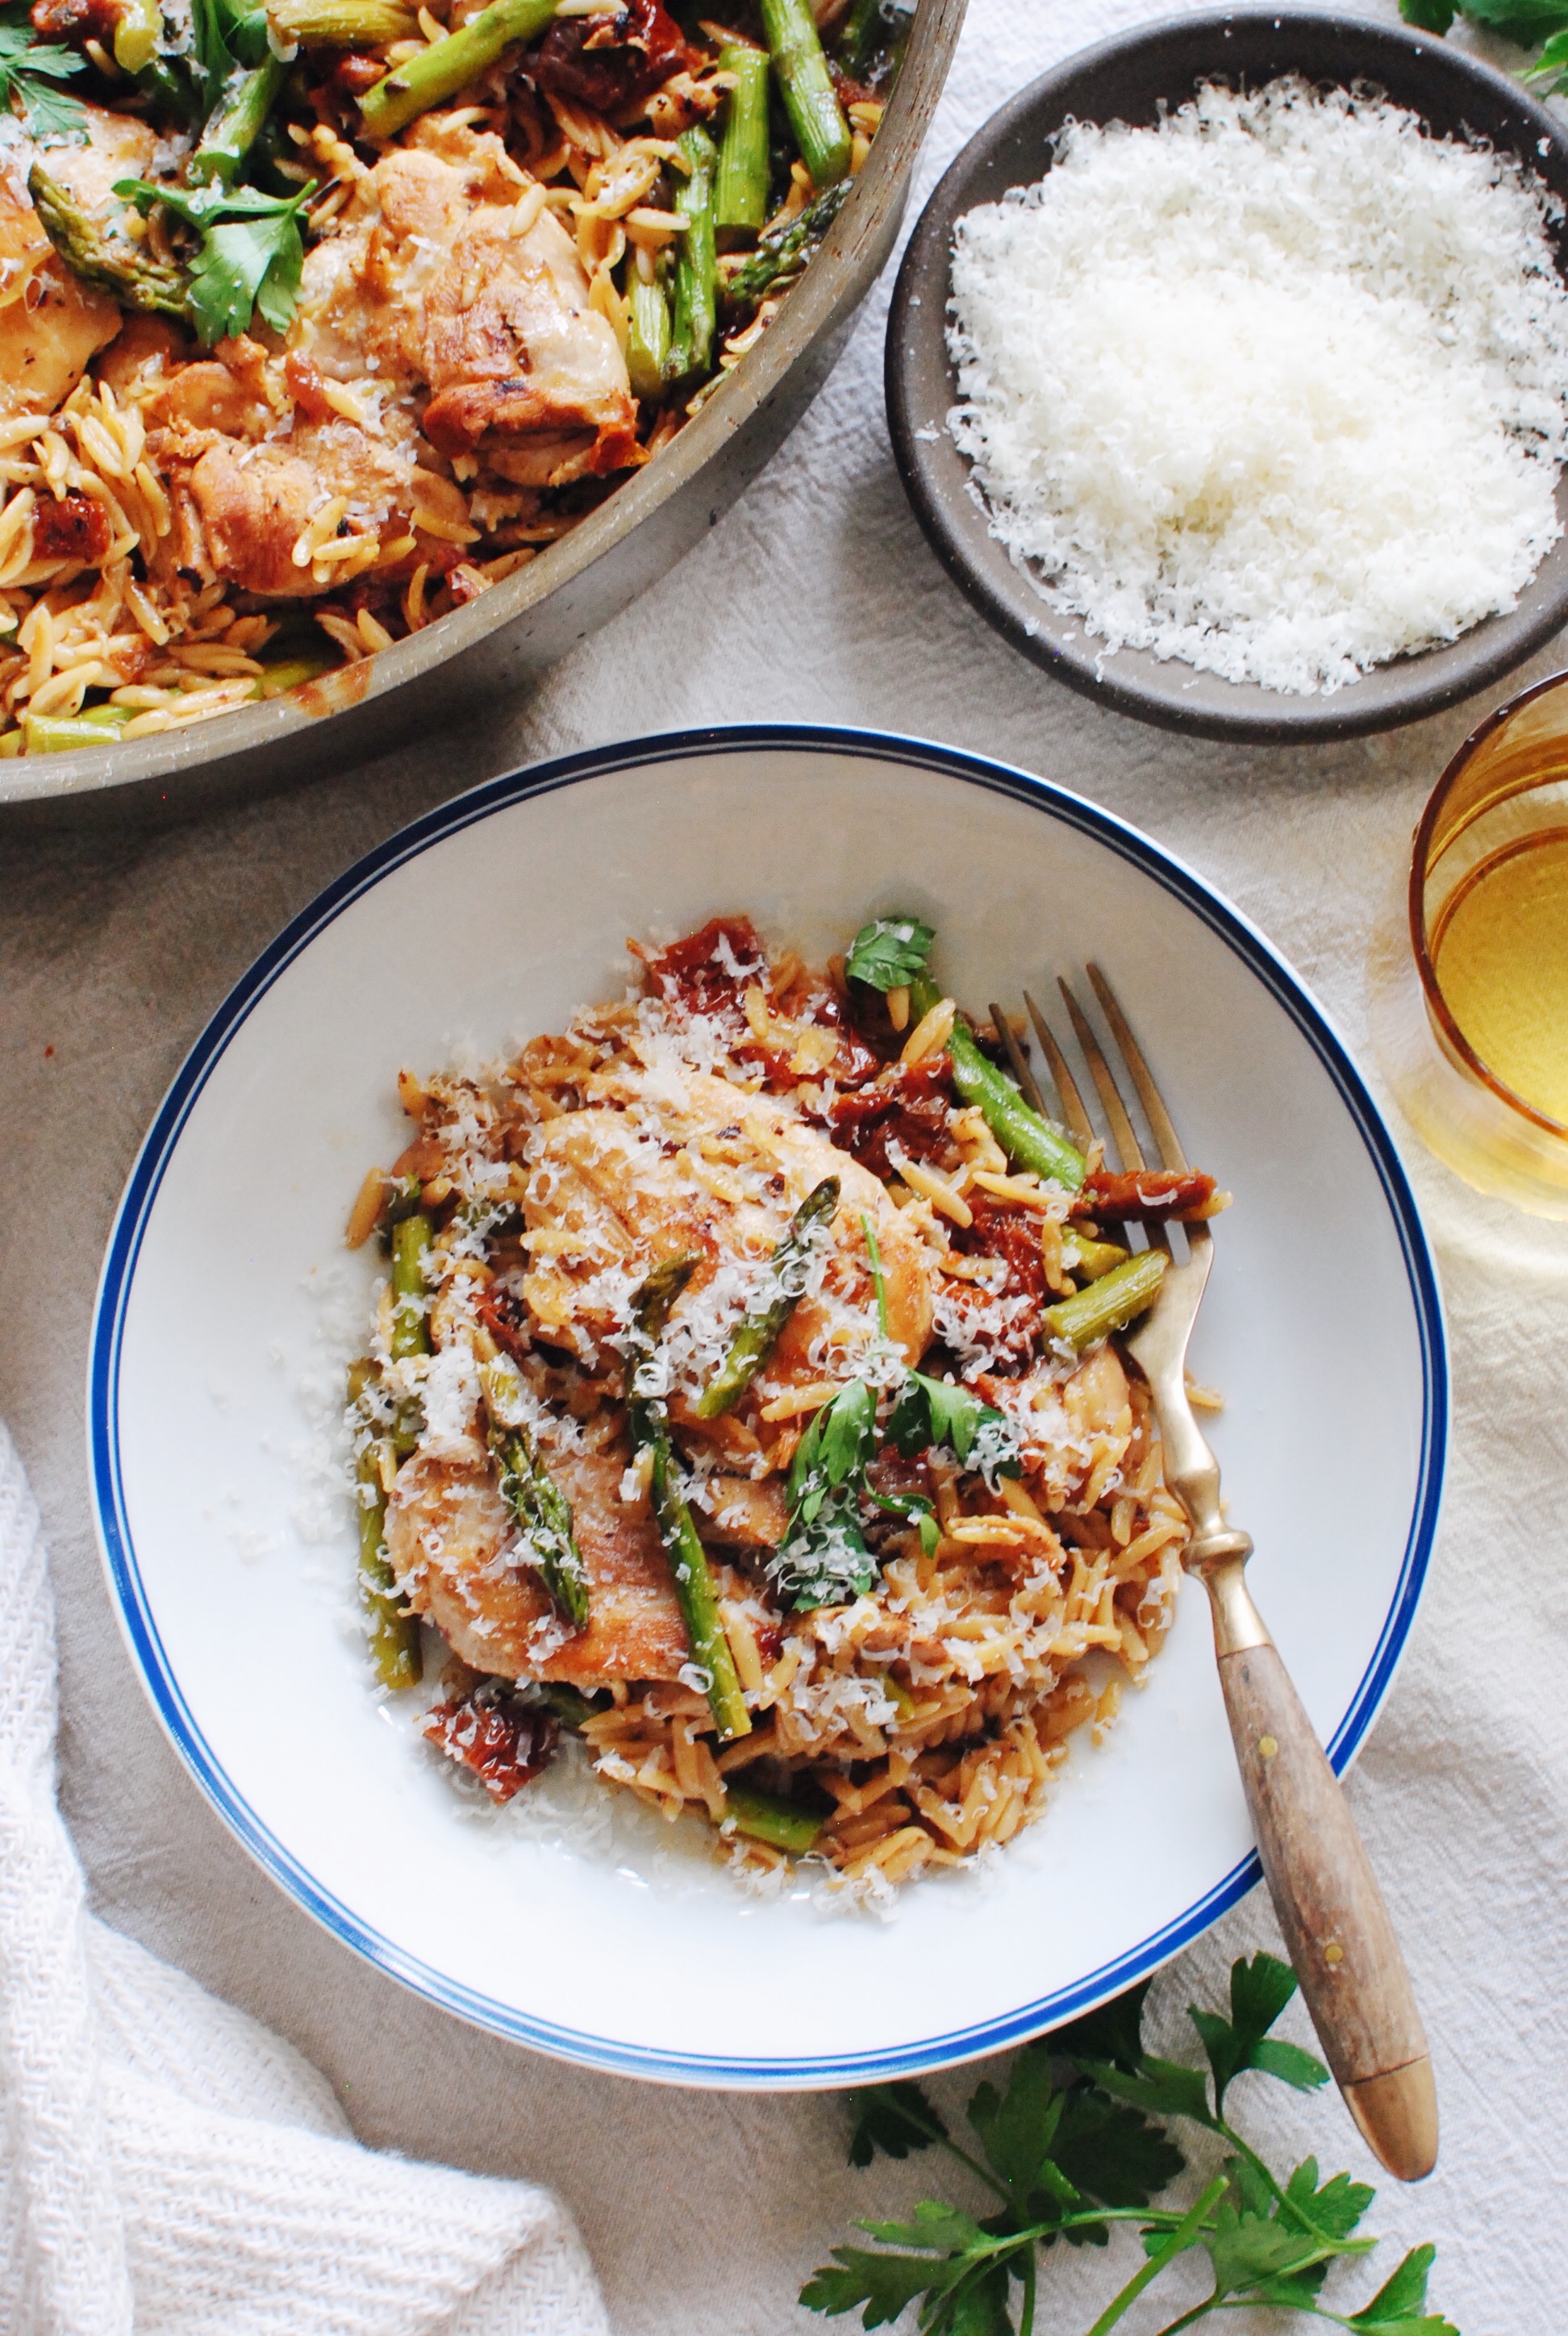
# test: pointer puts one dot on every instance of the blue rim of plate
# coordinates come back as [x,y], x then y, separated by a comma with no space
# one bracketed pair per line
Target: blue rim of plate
[118,1275]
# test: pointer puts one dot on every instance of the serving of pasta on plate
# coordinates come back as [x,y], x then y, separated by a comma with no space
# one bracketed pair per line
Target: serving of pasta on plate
[745,1398]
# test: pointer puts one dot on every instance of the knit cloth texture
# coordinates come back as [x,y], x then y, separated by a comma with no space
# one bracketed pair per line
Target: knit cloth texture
[167,2163]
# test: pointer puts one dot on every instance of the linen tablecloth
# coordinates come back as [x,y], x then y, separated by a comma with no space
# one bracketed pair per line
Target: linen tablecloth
[816,600]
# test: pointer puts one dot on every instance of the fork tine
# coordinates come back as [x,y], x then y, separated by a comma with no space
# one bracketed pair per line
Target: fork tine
[1171,1153]
[1028,1084]
[1129,1151]
[1079,1125]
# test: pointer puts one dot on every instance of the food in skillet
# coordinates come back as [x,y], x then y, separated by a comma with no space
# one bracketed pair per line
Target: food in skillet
[745,1396]
[320,318]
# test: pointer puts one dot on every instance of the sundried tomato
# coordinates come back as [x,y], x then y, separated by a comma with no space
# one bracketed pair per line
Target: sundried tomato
[700,971]
[1010,1233]
[505,1741]
[907,1109]
[1145,1193]
[68,20]
[613,59]
[70,527]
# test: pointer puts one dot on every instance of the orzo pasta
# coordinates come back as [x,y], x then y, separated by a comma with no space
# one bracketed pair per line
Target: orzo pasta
[745,1394]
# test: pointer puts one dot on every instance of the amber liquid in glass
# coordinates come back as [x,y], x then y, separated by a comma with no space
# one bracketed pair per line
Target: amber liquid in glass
[1500,953]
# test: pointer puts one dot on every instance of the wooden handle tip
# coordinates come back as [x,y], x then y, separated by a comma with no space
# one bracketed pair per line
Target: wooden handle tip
[1398,2114]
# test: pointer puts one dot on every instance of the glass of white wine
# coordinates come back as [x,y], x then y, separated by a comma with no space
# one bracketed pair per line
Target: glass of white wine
[1469,977]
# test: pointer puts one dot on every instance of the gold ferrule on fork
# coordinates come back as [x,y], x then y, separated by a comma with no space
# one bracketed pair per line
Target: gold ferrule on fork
[1216,1554]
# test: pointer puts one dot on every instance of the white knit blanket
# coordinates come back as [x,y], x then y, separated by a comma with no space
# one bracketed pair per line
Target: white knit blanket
[166,2162]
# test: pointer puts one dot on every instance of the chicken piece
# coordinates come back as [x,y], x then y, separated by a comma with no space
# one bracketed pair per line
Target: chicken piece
[513,352]
[447,273]
[1097,1396]
[427,286]
[144,351]
[117,146]
[52,324]
[447,1535]
[247,475]
[741,1512]
[236,391]
[619,1189]
[50,329]
[240,507]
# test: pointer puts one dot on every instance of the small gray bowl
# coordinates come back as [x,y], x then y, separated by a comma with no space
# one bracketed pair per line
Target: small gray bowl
[1131,79]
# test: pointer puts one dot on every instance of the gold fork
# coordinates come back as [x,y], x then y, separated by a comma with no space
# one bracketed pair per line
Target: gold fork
[1330,1910]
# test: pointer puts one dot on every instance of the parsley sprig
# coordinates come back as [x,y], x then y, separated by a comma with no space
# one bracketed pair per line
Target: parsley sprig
[889,951]
[250,256]
[29,69]
[1078,2142]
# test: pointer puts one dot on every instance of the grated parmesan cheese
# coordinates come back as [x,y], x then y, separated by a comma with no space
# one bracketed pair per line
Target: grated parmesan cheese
[1278,388]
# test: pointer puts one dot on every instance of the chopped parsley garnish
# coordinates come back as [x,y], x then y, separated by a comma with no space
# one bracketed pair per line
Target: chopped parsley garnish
[937,1411]
[251,254]
[889,952]
[825,1561]
[1079,2140]
[29,69]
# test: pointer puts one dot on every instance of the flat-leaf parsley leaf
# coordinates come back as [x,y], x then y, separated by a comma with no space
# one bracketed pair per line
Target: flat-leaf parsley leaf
[28,69]
[1072,2145]
[252,252]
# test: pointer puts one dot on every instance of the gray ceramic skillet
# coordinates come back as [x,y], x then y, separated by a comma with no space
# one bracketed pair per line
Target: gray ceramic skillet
[1130,79]
[523,625]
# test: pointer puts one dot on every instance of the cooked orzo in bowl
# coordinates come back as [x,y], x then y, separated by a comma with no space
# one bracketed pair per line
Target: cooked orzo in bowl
[745,1396]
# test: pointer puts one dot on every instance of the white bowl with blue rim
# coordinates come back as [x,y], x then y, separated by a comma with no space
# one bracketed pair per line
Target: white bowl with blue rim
[573,1921]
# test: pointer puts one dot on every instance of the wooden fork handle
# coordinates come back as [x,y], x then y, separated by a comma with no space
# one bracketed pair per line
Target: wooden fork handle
[1331,1912]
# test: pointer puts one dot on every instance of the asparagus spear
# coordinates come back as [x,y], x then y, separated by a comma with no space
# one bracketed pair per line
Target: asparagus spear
[544,1518]
[341,24]
[59,734]
[694,1587]
[1090,1258]
[855,39]
[782,253]
[394,1634]
[816,117]
[236,123]
[740,195]
[761,1325]
[873,40]
[410,1240]
[125,270]
[542,1509]
[696,266]
[694,1581]
[449,65]
[138,29]
[1023,1135]
[1110,1303]
[766,1818]
[648,339]
[287,674]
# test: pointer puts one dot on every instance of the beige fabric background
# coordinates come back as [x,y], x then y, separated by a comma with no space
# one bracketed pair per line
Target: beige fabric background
[816,600]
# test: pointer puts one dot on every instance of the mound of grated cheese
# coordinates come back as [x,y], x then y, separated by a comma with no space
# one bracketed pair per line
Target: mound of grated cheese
[1278,388]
